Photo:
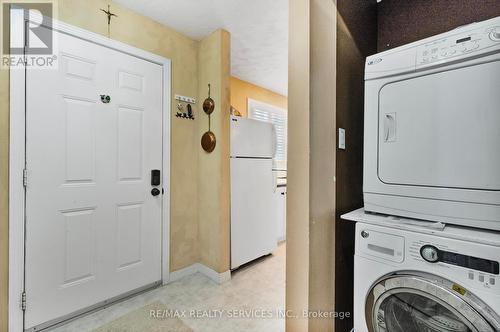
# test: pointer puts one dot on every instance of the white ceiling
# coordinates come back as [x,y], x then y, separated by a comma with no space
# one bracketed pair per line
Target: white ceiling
[259,32]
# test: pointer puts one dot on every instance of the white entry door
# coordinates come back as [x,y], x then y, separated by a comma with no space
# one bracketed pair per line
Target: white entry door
[93,227]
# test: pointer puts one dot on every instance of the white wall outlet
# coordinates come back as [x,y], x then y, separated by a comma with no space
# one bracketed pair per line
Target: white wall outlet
[342,138]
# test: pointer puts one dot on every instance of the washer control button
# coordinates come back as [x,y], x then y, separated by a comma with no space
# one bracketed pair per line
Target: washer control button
[481,278]
[471,275]
[492,281]
[429,253]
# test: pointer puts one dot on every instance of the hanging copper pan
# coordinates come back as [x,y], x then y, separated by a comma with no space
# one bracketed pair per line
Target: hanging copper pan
[208,141]
[209,103]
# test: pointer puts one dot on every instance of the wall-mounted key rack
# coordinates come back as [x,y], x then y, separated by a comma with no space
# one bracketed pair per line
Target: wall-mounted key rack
[184,108]
[185,99]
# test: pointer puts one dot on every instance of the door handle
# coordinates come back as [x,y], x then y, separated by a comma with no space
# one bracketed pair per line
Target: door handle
[155,191]
[390,127]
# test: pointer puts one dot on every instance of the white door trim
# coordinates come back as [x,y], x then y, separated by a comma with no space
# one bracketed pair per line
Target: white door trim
[17,164]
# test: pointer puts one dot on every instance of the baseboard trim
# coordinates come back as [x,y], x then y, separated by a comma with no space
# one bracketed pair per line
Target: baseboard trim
[216,277]
[184,272]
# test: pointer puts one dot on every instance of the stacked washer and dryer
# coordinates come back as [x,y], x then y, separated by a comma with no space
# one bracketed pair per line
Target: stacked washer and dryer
[428,239]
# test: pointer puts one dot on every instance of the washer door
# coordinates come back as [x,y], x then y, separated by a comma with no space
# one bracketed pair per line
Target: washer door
[402,303]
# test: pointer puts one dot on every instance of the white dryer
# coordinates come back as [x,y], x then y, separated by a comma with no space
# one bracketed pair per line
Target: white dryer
[410,278]
[432,128]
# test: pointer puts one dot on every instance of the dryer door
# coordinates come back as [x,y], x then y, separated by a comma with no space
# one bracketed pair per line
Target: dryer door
[438,130]
[402,303]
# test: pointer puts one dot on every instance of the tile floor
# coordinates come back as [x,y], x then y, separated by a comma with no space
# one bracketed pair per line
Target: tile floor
[257,289]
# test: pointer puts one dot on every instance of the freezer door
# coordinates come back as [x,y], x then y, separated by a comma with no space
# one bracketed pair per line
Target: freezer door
[253,214]
[252,138]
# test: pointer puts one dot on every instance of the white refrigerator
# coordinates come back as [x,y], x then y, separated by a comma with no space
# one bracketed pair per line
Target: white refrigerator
[253,214]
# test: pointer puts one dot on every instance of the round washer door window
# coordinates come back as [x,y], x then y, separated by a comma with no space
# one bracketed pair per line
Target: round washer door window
[402,303]
[405,311]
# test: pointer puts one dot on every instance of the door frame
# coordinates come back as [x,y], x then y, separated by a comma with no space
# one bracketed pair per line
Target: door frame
[17,162]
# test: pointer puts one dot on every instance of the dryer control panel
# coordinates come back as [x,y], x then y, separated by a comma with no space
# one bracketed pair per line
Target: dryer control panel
[466,42]
[457,46]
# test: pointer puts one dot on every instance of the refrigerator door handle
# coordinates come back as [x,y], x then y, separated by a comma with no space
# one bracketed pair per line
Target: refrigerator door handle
[275,182]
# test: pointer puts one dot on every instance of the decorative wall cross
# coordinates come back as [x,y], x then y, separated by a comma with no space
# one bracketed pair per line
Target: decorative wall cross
[110,15]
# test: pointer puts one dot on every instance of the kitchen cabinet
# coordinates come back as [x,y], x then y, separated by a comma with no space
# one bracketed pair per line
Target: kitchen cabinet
[280,198]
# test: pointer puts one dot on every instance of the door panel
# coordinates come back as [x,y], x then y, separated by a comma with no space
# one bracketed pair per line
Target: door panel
[440,130]
[80,140]
[129,144]
[93,229]
[129,234]
[79,249]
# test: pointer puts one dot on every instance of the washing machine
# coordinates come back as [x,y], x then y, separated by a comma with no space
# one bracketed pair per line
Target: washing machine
[410,278]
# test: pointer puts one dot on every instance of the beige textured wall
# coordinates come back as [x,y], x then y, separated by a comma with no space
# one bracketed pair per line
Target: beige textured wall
[149,35]
[242,90]
[322,161]
[311,163]
[213,175]
[297,222]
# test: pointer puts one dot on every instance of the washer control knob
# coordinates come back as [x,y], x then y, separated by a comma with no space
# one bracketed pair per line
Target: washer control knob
[495,34]
[364,234]
[430,253]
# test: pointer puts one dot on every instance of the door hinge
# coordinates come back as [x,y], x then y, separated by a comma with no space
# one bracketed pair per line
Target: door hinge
[25,177]
[23,301]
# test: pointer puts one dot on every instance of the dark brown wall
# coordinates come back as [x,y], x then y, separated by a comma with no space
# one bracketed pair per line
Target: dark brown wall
[404,21]
[355,41]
